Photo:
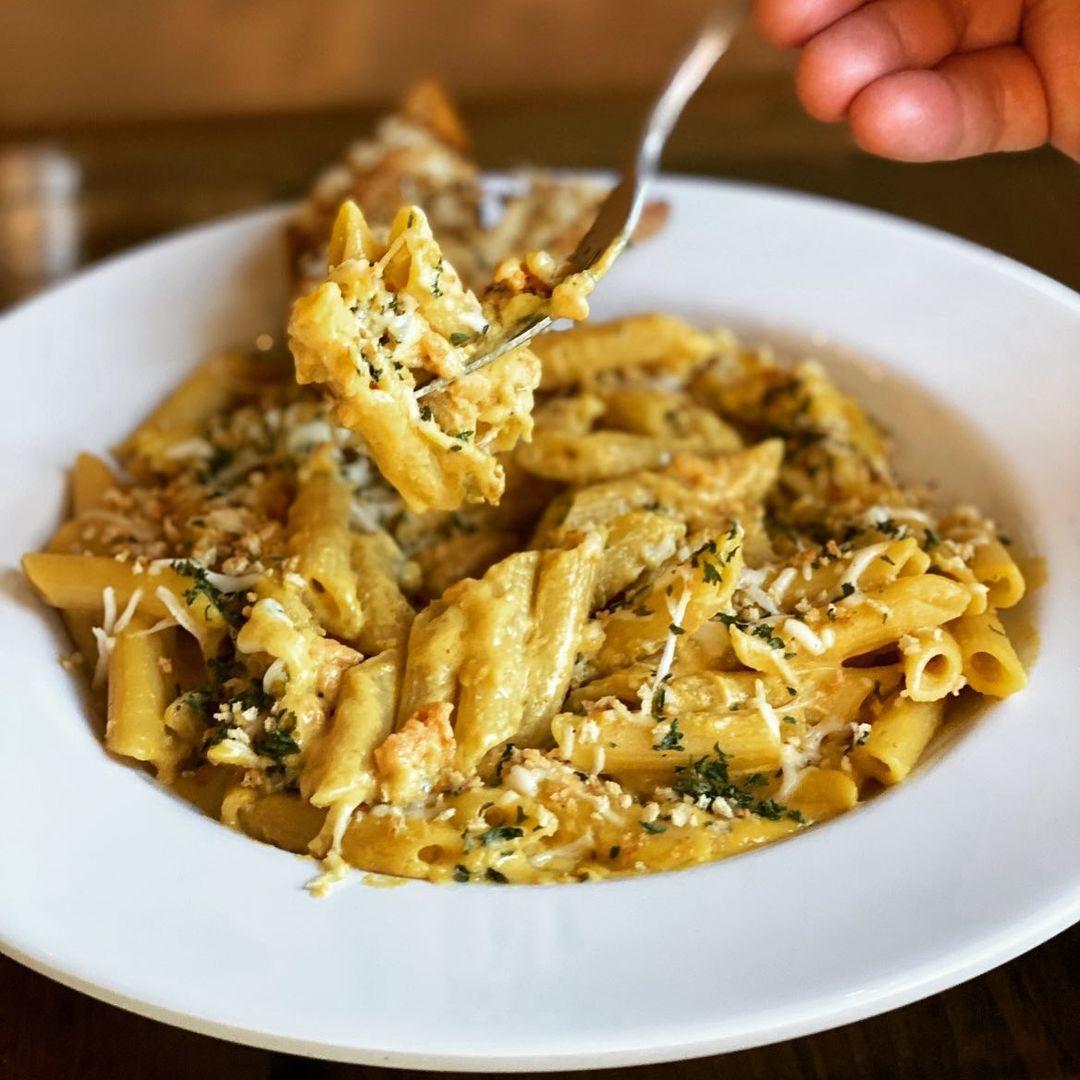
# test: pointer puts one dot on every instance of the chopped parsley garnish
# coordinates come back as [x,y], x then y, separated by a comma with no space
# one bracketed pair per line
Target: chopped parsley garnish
[674,628]
[459,338]
[765,632]
[230,605]
[709,778]
[890,528]
[216,734]
[847,589]
[653,827]
[931,540]
[255,697]
[276,744]
[658,702]
[672,740]
[425,412]
[774,811]
[614,852]
[199,701]
[886,559]
[464,436]
[493,875]
[498,833]
[218,460]
[461,873]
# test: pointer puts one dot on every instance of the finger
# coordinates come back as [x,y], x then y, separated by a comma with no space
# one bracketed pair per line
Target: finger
[973,103]
[893,35]
[791,23]
[1051,35]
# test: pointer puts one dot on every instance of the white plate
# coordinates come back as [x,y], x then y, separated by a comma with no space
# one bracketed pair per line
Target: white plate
[116,888]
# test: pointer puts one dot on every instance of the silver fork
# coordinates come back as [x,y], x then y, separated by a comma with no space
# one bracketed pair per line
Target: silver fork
[619,213]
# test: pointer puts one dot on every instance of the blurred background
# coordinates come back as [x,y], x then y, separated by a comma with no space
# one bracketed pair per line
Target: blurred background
[124,119]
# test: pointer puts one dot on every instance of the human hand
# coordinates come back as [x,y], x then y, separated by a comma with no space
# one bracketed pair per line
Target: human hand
[935,80]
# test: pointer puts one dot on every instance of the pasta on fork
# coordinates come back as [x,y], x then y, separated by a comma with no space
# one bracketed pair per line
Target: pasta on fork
[391,316]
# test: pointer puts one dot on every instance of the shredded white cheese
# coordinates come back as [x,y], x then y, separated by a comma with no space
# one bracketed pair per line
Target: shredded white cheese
[667,655]
[800,632]
[179,613]
[768,713]
[860,560]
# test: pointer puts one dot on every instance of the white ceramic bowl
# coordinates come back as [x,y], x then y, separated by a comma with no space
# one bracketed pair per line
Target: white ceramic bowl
[115,887]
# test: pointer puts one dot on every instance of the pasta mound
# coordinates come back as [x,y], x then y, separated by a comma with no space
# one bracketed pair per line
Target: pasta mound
[392,316]
[696,613]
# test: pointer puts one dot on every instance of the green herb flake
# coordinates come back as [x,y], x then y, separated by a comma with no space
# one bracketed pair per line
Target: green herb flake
[499,833]
[276,744]
[709,778]
[230,605]
[672,739]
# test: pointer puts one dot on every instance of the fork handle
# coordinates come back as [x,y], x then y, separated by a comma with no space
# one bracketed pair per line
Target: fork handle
[712,42]
[624,202]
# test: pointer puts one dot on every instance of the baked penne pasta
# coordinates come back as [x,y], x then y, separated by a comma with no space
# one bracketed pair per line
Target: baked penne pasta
[682,609]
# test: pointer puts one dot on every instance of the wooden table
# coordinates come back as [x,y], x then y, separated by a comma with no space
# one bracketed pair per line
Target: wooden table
[1020,1020]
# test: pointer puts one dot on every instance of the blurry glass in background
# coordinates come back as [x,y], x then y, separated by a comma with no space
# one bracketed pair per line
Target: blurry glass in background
[39,219]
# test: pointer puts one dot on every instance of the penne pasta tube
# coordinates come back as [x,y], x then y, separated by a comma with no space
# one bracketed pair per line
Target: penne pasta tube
[639,341]
[823,793]
[681,601]
[286,821]
[341,768]
[493,680]
[139,693]
[995,568]
[990,663]
[321,543]
[933,666]
[77,583]
[91,478]
[632,748]
[436,645]
[561,604]
[387,615]
[898,736]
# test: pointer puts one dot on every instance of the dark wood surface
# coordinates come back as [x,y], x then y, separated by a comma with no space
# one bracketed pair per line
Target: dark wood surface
[140,181]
